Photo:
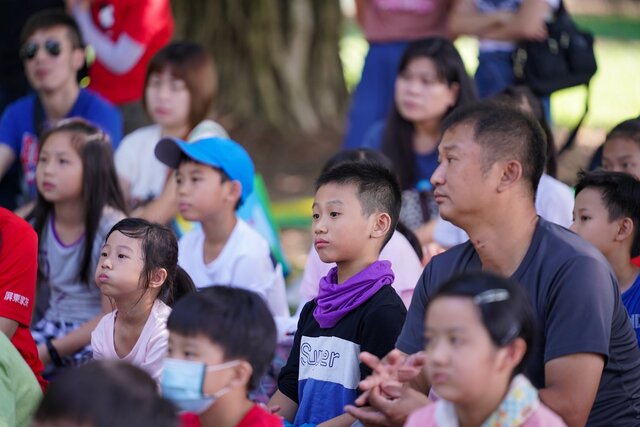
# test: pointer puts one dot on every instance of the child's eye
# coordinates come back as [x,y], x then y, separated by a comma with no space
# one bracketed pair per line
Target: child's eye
[334,214]
[122,256]
[584,218]
[178,180]
[315,216]
[103,254]
[42,159]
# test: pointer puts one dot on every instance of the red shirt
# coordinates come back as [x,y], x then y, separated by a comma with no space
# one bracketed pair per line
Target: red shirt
[148,22]
[18,270]
[256,417]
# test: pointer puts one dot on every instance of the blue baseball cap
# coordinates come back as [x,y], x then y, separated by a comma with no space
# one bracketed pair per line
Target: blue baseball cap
[219,152]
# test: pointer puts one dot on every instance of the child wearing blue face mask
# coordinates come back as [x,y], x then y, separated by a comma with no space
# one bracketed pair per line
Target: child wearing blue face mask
[221,341]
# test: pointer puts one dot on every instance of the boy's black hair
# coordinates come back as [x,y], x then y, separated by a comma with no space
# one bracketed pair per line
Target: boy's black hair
[628,129]
[106,393]
[620,195]
[159,250]
[378,188]
[505,318]
[237,320]
[49,18]
[504,134]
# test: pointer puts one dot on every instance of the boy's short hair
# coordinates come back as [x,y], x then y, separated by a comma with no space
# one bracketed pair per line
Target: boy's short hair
[49,18]
[235,319]
[620,195]
[629,129]
[105,393]
[378,188]
[504,133]
[222,153]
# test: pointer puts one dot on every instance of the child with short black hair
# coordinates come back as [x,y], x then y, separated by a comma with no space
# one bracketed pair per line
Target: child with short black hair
[607,214]
[621,149]
[104,393]
[355,212]
[224,330]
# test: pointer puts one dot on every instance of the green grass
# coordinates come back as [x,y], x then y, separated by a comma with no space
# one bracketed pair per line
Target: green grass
[615,89]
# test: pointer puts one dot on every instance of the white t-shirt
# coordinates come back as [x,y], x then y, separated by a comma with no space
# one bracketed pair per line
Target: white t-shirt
[405,264]
[151,347]
[244,262]
[136,162]
[554,202]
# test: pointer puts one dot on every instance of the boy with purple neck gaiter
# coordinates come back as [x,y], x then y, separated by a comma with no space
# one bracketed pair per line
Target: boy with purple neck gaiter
[355,212]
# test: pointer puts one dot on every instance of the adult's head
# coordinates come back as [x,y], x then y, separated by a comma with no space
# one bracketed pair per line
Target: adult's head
[489,154]
[180,85]
[431,83]
[52,51]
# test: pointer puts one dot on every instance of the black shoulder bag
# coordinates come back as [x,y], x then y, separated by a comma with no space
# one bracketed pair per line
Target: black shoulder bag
[565,59]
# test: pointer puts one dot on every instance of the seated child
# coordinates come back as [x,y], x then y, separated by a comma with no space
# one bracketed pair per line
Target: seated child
[214,177]
[138,271]
[607,215]
[355,212]
[478,330]
[221,341]
[104,393]
[405,259]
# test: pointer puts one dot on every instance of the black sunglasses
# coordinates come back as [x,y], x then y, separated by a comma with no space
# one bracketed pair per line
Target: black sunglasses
[30,50]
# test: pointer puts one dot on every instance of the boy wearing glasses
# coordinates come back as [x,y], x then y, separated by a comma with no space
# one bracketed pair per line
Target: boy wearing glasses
[52,53]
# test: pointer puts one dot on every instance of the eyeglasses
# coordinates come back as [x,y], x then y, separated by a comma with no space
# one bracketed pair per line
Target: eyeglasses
[30,50]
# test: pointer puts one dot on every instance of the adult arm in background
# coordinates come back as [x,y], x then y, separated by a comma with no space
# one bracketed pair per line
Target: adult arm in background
[527,23]
[119,56]
[164,207]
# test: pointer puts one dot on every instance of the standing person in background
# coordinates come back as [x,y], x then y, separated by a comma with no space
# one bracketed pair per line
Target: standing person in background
[388,26]
[125,35]
[499,26]
[179,90]
[52,53]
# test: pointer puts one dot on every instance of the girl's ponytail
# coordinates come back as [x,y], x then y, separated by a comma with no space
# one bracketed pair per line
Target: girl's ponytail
[175,289]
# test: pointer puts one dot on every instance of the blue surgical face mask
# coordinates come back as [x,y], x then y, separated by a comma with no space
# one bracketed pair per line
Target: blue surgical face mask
[182,381]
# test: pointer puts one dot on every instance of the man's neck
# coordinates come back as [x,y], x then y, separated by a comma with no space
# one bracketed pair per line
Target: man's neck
[58,104]
[503,239]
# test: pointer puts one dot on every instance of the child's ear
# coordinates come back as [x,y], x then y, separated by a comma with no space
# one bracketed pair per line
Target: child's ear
[158,277]
[234,191]
[625,229]
[381,225]
[513,353]
[241,374]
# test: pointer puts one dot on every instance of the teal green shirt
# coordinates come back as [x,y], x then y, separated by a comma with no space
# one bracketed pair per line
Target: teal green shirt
[20,392]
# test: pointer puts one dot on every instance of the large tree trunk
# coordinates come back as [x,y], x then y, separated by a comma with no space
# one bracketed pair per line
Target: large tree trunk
[277,60]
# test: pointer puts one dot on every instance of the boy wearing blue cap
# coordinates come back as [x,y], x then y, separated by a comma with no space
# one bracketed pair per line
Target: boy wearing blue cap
[214,177]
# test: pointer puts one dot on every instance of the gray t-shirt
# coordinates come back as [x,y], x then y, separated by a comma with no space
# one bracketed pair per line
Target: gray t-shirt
[72,299]
[577,307]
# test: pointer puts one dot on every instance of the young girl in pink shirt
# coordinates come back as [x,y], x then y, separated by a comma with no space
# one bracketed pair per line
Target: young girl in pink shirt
[138,272]
[478,330]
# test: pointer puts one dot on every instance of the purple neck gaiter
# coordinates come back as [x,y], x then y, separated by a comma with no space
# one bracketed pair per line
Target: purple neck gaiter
[336,301]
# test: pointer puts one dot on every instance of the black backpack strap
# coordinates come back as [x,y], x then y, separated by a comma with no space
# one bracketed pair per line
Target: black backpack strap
[571,138]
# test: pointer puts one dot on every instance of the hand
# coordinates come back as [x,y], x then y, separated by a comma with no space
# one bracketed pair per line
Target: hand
[43,354]
[388,412]
[389,374]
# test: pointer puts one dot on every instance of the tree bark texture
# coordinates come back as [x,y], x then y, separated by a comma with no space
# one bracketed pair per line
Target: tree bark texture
[277,60]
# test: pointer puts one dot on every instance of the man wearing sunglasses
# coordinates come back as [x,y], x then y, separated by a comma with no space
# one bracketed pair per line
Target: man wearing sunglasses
[52,53]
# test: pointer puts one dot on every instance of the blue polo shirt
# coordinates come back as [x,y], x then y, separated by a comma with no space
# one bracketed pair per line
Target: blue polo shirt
[18,131]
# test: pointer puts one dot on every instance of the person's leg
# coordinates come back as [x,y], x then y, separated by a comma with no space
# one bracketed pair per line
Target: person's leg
[373,97]
[494,73]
